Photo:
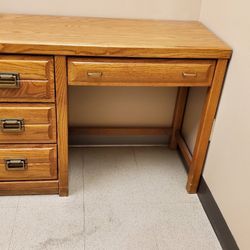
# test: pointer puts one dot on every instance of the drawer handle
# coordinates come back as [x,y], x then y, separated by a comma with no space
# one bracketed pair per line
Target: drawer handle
[185,74]
[12,125]
[9,81]
[15,164]
[94,74]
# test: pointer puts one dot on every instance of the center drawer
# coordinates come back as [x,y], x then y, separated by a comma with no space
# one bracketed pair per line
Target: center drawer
[28,162]
[27,123]
[140,72]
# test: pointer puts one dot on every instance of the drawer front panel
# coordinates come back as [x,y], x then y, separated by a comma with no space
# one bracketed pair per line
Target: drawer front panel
[140,72]
[35,79]
[28,162]
[26,123]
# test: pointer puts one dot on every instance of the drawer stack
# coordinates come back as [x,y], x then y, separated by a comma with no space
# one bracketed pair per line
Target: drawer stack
[28,144]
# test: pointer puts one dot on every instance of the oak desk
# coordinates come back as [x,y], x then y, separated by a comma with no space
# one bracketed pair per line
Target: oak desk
[41,55]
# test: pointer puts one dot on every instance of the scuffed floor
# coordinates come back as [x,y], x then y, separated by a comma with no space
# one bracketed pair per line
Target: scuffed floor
[120,199]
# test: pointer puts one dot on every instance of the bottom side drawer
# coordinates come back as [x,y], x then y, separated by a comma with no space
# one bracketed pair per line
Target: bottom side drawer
[28,162]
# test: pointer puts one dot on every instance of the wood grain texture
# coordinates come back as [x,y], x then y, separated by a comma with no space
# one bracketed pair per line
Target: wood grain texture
[29,67]
[37,78]
[28,187]
[29,91]
[139,72]
[206,123]
[178,115]
[41,162]
[119,131]
[39,123]
[62,122]
[184,150]
[53,35]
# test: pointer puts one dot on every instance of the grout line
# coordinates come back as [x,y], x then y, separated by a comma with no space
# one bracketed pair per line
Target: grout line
[135,158]
[156,242]
[14,222]
[84,210]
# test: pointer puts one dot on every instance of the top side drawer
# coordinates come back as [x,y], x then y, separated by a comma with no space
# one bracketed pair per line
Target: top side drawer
[36,78]
[140,72]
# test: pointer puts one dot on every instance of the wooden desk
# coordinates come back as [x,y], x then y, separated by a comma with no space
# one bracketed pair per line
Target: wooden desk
[41,55]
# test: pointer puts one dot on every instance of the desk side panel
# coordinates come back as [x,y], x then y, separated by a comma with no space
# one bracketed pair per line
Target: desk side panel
[62,122]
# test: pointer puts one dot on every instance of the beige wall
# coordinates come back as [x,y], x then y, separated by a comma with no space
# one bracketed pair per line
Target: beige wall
[227,170]
[196,98]
[122,106]
[144,106]
[157,9]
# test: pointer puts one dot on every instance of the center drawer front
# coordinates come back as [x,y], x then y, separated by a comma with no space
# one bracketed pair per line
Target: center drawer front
[38,123]
[28,162]
[36,74]
[140,72]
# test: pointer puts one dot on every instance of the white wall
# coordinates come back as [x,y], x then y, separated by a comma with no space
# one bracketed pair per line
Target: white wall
[158,109]
[227,169]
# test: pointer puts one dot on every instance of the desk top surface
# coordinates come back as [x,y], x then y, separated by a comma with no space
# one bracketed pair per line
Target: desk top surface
[56,35]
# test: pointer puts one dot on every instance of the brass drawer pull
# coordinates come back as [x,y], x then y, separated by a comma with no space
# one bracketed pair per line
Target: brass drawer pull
[94,74]
[15,164]
[12,125]
[9,81]
[185,74]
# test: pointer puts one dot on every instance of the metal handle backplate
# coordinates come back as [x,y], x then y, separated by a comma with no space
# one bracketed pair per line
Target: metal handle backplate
[15,164]
[12,125]
[9,80]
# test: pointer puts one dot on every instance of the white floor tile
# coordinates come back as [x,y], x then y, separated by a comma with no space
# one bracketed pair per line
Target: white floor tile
[111,174]
[9,201]
[182,226]
[164,177]
[7,222]
[118,227]
[50,228]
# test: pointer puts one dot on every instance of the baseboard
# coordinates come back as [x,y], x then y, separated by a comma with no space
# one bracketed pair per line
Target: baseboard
[214,214]
[119,135]
[216,218]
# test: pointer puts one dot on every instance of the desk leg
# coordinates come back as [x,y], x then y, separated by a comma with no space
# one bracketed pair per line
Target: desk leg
[206,123]
[180,105]
[62,122]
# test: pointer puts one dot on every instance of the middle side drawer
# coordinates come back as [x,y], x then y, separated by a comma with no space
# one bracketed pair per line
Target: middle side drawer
[27,123]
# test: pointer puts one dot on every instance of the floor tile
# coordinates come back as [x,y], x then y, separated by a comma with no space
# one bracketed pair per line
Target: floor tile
[183,226]
[50,228]
[111,174]
[7,222]
[9,201]
[163,175]
[118,227]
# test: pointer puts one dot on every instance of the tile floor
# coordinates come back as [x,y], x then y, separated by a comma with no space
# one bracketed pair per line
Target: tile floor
[120,199]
